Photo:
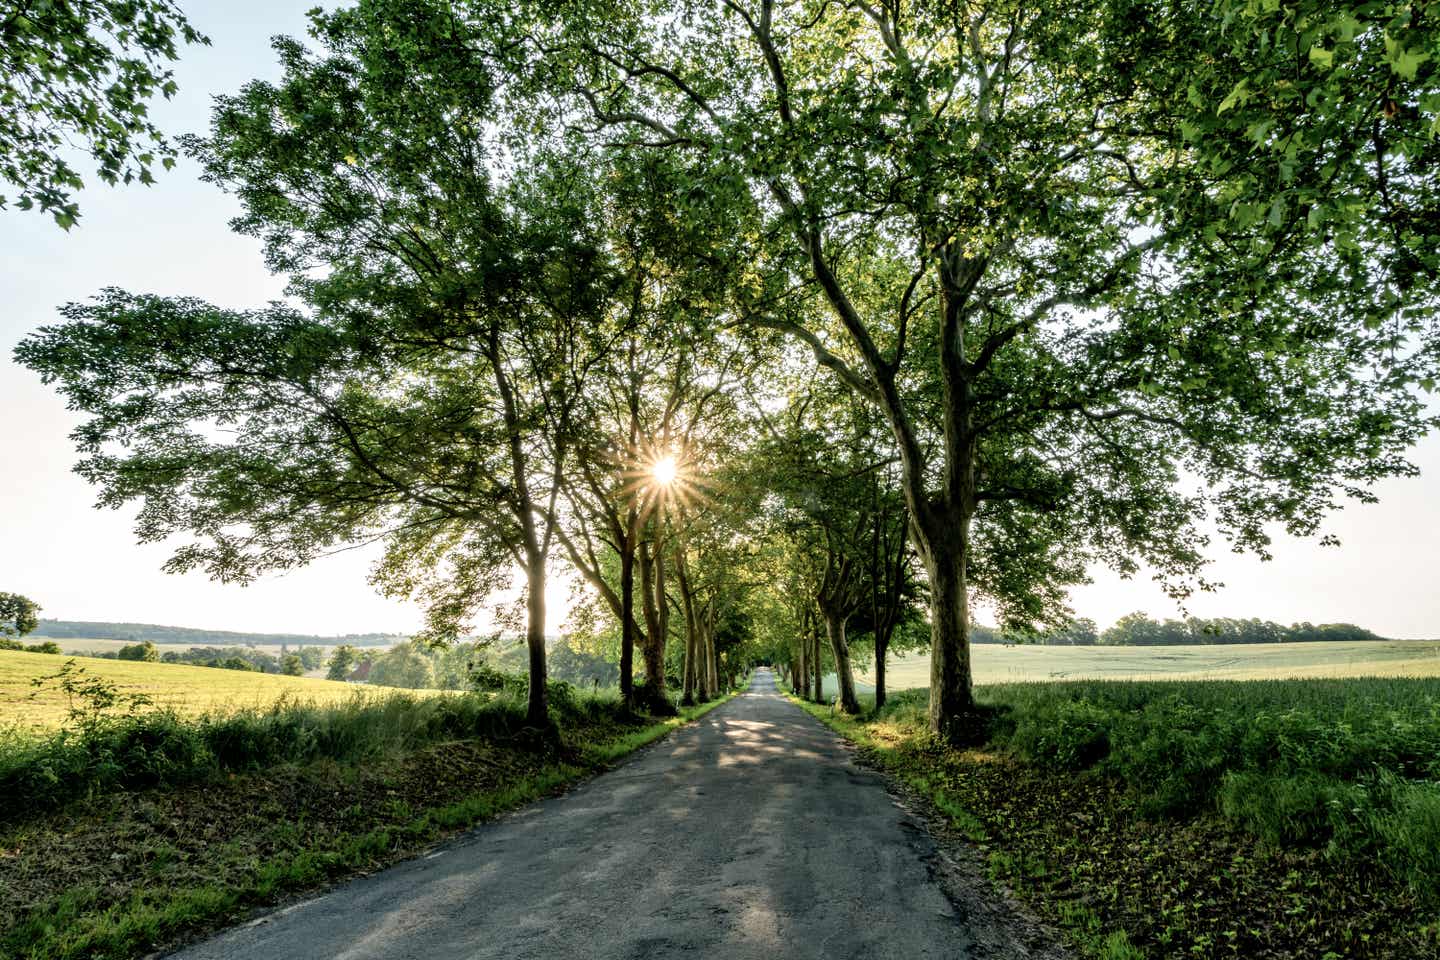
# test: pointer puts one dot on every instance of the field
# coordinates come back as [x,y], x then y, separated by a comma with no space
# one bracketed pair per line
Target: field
[997,663]
[189,690]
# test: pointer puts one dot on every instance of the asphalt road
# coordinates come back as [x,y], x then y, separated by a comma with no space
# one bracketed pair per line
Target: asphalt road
[748,834]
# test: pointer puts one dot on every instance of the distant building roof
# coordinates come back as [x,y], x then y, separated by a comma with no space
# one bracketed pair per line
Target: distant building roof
[361,673]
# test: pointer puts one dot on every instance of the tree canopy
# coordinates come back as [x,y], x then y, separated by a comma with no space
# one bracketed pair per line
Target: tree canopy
[18,615]
[1053,288]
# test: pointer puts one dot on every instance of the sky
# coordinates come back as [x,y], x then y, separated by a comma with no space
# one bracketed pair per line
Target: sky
[81,563]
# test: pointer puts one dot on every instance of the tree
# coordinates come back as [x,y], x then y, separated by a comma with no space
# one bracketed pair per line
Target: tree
[655,398]
[1073,254]
[404,665]
[80,73]
[292,666]
[18,615]
[144,651]
[425,395]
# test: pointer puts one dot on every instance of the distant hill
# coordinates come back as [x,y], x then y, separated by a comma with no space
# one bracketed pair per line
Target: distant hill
[158,633]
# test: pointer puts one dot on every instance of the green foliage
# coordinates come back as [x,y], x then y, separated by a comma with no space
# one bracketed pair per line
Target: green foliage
[292,666]
[18,615]
[1351,766]
[144,650]
[1139,630]
[342,660]
[80,73]
[403,665]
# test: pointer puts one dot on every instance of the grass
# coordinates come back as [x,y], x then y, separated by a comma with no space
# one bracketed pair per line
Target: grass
[184,689]
[998,663]
[122,873]
[1197,818]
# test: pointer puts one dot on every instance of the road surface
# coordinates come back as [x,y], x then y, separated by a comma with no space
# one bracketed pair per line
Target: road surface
[748,834]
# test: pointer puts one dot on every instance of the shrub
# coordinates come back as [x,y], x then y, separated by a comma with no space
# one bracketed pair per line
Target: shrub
[1068,734]
[144,650]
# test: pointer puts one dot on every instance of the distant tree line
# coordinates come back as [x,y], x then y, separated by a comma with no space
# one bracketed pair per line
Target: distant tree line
[294,663]
[1139,630]
[156,633]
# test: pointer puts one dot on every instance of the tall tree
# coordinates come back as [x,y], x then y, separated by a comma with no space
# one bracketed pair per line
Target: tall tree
[81,73]
[19,615]
[1109,269]
[426,395]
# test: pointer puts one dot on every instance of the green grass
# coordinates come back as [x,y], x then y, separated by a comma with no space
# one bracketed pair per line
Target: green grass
[184,689]
[119,874]
[998,663]
[1199,818]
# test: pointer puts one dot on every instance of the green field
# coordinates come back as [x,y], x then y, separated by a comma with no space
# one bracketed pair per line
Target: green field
[188,690]
[997,663]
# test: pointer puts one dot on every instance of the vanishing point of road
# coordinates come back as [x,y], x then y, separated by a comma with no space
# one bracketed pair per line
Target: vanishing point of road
[747,834]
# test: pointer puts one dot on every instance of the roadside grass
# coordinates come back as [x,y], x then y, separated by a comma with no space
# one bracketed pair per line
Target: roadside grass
[187,690]
[1198,819]
[121,872]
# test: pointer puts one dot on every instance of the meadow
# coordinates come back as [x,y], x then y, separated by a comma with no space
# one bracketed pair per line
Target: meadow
[187,690]
[999,663]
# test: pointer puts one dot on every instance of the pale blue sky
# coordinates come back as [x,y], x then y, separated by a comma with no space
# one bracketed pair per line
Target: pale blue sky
[172,238]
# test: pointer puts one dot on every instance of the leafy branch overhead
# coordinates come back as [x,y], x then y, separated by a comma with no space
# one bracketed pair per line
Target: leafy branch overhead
[79,76]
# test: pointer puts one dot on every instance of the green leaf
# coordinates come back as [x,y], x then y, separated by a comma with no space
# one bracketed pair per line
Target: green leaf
[1238,95]
[1321,58]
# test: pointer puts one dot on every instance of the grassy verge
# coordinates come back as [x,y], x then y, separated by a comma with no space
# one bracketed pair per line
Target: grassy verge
[1114,809]
[123,872]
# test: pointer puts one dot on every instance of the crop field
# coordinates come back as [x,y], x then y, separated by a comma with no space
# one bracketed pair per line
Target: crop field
[189,690]
[997,663]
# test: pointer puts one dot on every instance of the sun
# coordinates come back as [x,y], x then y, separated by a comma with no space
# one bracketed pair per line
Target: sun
[664,471]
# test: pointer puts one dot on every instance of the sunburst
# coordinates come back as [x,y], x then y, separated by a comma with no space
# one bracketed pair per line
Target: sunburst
[660,476]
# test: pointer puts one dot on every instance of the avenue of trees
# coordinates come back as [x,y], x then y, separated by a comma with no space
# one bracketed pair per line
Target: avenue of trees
[790,329]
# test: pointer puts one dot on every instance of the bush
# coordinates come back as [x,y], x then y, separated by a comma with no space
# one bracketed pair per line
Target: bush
[1068,734]
[144,651]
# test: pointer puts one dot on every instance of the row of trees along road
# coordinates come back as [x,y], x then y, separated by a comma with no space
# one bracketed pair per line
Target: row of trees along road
[1070,284]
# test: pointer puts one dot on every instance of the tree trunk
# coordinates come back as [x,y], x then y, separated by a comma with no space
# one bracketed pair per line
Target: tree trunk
[802,668]
[537,712]
[817,667]
[951,699]
[840,650]
[882,647]
[712,675]
[687,692]
[655,699]
[627,624]
[692,640]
